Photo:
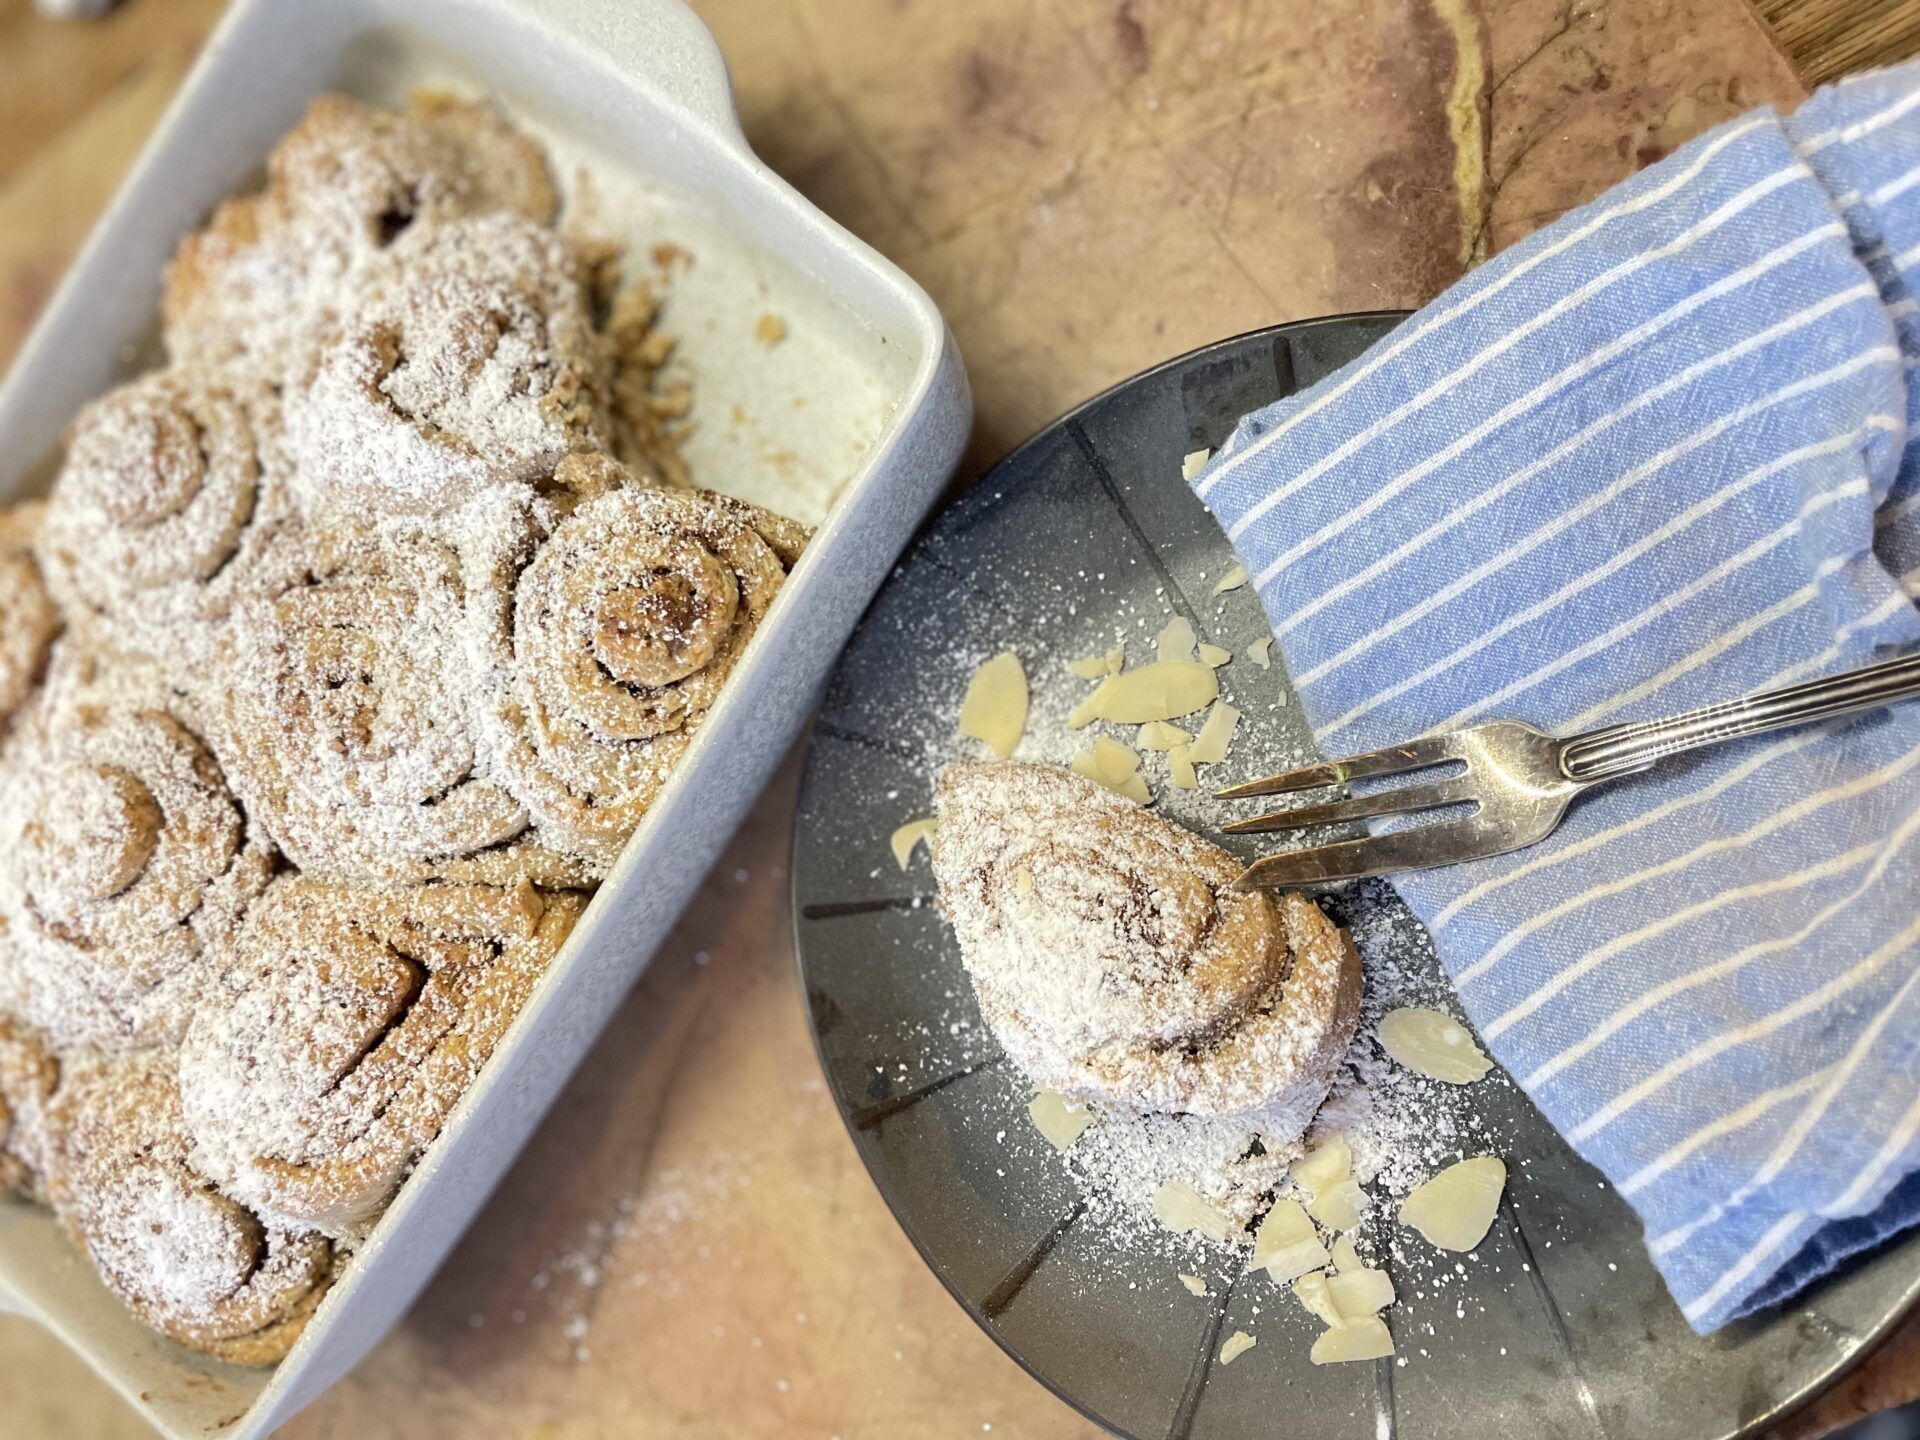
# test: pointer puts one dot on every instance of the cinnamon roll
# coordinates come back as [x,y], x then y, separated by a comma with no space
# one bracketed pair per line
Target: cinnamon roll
[271,271]
[171,507]
[28,619]
[343,715]
[349,1025]
[1117,963]
[28,1074]
[192,1263]
[608,642]
[127,865]
[472,363]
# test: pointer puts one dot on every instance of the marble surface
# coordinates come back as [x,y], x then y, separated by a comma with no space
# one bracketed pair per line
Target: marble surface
[689,1248]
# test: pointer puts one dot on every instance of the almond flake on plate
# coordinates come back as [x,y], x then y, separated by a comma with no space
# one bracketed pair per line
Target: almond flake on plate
[1340,1206]
[1164,690]
[1195,1285]
[1194,461]
[1181,1208]
[1237,1345]
[1363,1339]
[1235,577]
[908,836]
[995,709]
[1059,1120]
[1286,1245]
[1311,1291]
[1455,1209]
[1176,641]
[1159,735]
[1433,1044]
[1115,766]
[1359,1293]
[1216,734]
[1261,653]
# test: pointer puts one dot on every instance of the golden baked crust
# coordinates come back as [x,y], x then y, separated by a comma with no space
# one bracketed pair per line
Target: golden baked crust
[189,1261]
[349,1025]
[269,271]
[128,864]
[610,639]
[172,506]
[1116,962]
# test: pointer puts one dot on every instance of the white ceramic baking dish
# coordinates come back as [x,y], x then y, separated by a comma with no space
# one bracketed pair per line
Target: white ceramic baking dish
[854,421]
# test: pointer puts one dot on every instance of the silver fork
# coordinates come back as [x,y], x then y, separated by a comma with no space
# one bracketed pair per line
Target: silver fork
[1521,780]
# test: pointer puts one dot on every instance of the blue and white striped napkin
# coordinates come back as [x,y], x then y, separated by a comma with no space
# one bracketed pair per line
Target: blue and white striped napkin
[1655,456]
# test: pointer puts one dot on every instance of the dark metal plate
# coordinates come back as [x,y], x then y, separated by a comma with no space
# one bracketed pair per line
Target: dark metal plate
[1559,1326]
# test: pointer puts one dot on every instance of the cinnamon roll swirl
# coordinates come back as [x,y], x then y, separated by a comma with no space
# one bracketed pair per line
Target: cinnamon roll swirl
[608,643]
[172,506]
[127,865]
[191,1262]
[28,1074]
[472,363]
[1116,962]
[271,271]
[344,714]
[28,619]
[350,1024]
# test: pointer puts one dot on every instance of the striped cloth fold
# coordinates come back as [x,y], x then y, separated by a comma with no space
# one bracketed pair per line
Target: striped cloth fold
[1655,456]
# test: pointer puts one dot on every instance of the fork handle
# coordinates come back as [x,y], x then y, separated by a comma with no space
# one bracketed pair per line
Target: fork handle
[1625,749]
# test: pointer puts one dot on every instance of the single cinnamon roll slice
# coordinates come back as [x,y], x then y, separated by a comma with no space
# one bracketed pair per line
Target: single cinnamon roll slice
[271,272]
[1116,962]
[471,363]
[343,714]
[609,641]
[350,1024]
[28,619]
[191,1262]
[172,507]
[125,864]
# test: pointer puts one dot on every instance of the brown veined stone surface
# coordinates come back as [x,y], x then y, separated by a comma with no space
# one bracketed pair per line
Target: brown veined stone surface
[1087,187]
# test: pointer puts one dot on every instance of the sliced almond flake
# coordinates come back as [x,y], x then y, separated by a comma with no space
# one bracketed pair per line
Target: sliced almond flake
[908,836]
[1359,1293]
[1232,580]
[1181,1208]
[1325,1166]
[1059,1120]
[1345,1257]
[1195,1285]
[1159,735]
[1115,766]
[1363,1339]
[1164,690]
[1180,762]
[1286,1245]
[1094,667]
[1216,734]
[1194,461]
[1116,659]
[1023,881]
[995,709]
[1214,656]
[1434,1044]
[1175,642]
[1340,1206]
[1311,1291]
[1455,1209]
[1237,1345]
[1261,653]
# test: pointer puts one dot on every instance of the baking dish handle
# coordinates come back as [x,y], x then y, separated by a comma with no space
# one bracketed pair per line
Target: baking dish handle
[663,42]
